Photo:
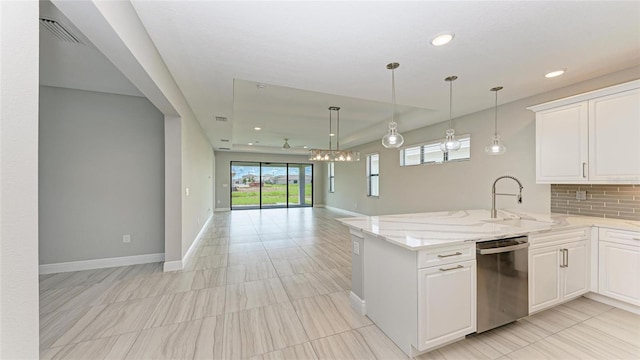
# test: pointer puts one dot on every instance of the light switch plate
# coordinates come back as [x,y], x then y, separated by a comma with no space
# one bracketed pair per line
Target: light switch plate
[581,195]
[356,248]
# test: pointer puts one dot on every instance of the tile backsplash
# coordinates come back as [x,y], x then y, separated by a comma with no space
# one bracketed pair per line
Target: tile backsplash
[607,201]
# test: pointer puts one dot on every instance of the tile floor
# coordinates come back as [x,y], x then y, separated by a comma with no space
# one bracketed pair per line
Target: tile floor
[274,284]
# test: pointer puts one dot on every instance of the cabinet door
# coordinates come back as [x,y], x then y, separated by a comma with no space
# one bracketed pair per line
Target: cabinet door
[619,271]
[446,303]
[575,278]
[562,144]
[544,278]
[614,137]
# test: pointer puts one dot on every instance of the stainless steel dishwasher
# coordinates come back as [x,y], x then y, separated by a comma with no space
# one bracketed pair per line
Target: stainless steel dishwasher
[503,291]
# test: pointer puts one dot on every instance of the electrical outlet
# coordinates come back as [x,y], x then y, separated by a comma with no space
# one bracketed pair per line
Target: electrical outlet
[187,192]
[581,195]
[356,248]
[126,239]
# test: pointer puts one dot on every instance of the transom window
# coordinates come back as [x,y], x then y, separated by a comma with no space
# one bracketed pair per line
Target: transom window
[430,153]
[373,175]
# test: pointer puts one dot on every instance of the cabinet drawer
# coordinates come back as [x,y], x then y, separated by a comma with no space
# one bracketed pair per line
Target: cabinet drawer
[446,255]
[558,237]
[631,238]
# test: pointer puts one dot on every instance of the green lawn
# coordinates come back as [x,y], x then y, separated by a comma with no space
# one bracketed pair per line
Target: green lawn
[271,195]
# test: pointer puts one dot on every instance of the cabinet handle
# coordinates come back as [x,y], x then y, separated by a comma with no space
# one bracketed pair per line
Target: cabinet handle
[566,254]
[453,268]
[638,239]
[584,173]
[445,256]
[563,263]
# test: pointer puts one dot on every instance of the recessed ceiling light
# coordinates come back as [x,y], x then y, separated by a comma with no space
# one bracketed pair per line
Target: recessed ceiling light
[261,86]
[305,147]
[442,39]
[332,134]
[250,144]
[554,73]
[257,128]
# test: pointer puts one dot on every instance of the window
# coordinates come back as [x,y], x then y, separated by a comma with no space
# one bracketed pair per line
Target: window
[430,153]
[332,177]
[373,175]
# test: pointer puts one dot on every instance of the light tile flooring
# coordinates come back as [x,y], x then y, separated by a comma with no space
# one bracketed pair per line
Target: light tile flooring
[274,284]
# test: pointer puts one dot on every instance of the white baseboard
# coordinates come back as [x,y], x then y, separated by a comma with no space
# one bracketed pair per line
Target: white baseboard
[179,264]
[613,302]
[319,205]
[172,265]
[196,241]
[100,263]
[344,211]
[221,209]
[357,304]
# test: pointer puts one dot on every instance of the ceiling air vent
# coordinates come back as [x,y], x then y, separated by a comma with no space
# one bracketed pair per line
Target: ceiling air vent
[59,31]
[224,140]
[225,148]
[221,118]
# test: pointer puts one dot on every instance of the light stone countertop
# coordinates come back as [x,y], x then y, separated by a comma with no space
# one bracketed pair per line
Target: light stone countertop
[426,230]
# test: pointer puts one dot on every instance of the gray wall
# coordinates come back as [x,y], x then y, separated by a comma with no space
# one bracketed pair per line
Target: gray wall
[101,173]
[465,184]
[222,173]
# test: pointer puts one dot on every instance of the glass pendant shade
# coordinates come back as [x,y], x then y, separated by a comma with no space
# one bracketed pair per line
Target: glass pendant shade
[331,155]
[393,139]
[496,147]
[450,143]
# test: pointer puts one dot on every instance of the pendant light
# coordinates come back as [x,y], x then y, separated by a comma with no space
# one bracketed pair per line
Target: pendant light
[450,143]
[286,145]
[337,154]
[393,139]
[496,148]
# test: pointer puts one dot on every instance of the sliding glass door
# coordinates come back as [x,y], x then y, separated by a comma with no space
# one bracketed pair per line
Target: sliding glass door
[271,185]
[245,185]
[274,185]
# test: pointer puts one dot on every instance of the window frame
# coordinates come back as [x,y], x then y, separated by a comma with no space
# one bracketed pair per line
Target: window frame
[331,170]
[422,146]
[370,175]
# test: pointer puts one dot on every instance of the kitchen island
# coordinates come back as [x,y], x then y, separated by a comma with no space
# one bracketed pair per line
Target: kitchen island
[414,275]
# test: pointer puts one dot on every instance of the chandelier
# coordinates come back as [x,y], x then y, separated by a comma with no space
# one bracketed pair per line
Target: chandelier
[330,154]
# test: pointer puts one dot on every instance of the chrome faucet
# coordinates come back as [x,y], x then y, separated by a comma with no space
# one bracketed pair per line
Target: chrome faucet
[494,212]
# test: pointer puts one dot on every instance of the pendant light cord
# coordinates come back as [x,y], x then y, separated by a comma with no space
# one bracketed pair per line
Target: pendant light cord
[393,94]
[338,130]
[451,104]
[330,121]
[495,123]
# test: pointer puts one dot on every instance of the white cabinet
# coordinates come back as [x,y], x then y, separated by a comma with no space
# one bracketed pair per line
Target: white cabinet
[562,144]
[619,265]
[590,138]
[614,137]
[558,267]
[446,303]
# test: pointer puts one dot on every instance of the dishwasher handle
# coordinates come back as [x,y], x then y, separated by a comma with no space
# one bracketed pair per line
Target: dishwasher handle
[503,249]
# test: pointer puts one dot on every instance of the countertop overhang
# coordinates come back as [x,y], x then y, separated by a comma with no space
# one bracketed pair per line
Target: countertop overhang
[434,229]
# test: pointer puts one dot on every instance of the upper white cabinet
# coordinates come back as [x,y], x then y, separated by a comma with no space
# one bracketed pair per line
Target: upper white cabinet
[590,138]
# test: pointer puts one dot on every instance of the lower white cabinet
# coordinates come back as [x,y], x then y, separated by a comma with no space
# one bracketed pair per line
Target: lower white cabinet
[446,303]
[619,265]
[558,268]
